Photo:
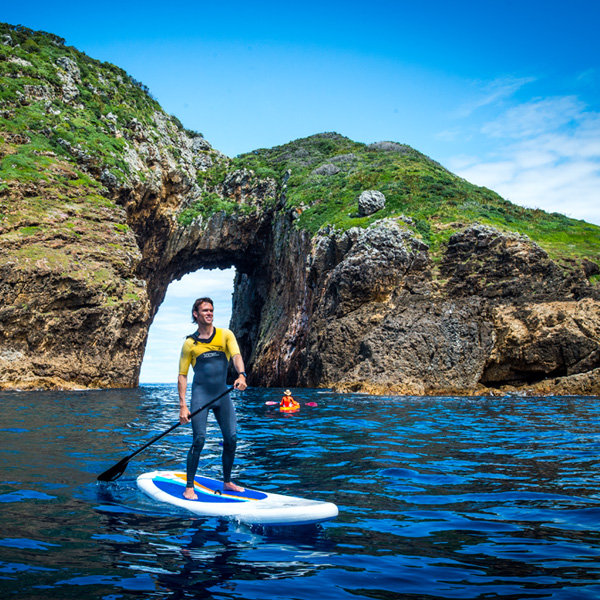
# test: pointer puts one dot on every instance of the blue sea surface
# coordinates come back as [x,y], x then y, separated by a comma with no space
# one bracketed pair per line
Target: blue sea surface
[465,498]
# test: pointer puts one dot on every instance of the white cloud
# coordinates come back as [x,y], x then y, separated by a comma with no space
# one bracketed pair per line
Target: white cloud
[494,92]
[173,320]
[450,135]
[196,284]
[536,117]
[490,174]
[546,155]
[570,188]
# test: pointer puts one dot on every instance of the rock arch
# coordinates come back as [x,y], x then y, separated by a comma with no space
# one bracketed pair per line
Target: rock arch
[105,199]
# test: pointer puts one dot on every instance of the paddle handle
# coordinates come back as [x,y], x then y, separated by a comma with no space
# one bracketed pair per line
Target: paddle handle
[176,425]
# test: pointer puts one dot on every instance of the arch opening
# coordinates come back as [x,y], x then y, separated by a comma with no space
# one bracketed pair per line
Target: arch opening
[172,322]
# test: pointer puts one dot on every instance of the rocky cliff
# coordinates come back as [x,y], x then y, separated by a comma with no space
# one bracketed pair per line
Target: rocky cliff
[369,310]
[102,205]
[361,267]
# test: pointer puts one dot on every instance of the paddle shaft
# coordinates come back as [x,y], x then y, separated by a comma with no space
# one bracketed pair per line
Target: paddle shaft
[108,475]
[273,403]
[176,425]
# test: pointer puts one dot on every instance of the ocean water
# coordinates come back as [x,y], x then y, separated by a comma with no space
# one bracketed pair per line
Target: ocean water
[439,498]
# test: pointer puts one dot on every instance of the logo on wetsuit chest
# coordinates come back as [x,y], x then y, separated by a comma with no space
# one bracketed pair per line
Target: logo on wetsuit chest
[209,355]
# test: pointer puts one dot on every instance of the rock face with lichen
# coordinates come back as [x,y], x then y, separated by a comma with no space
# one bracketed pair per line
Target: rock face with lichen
[369,202]
[367,310]
[96,189]
[105,199]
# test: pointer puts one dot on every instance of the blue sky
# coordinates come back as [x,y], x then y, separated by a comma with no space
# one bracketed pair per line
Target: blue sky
[504,93]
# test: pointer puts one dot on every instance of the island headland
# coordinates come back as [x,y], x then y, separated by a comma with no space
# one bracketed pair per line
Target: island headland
[359,267]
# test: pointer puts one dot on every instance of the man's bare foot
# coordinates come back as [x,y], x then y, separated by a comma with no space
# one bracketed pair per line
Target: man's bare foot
[190,494]
[232,487]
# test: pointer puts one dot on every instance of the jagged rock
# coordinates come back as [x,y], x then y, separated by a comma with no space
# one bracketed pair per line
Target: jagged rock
[372,293]
[70,68]
[138,132]
[373,266]
[390,147]
[326,170]
[590,268]
[18,138]
[108,179]
[70,75]
[243,186]
[369,202]
[483,260]
[540,341]
[19,61]
[39,92]
[344,159]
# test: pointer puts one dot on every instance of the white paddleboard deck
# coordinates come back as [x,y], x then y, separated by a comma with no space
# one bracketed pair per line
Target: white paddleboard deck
[249,506]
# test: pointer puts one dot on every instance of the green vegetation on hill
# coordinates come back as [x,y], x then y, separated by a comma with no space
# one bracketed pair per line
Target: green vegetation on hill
[33,108]
[208,205]
[438,201]
[66,121]
[58,103]
[62,115]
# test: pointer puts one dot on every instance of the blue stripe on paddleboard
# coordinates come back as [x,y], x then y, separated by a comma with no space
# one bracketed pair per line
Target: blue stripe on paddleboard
[217,485]
[175,488]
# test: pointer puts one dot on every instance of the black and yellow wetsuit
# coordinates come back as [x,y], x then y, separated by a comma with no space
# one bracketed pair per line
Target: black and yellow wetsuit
[210,358]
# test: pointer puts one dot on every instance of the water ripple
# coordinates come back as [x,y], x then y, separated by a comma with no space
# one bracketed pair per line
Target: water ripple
[439,498]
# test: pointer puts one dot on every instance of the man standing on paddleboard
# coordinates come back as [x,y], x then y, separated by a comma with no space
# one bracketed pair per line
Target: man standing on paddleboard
[208,351]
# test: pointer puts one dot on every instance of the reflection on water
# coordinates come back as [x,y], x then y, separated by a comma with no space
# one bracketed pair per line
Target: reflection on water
[438,497]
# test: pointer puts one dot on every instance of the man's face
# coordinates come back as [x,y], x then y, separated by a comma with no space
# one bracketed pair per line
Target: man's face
[204,315]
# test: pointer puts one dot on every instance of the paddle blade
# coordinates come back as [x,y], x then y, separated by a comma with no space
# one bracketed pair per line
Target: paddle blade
[311,403]
[271,403]
[115,471]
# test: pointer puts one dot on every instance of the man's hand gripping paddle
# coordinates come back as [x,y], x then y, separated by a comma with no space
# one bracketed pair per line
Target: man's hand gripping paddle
[117,470]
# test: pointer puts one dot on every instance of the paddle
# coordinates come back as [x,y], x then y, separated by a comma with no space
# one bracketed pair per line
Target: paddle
[273,402]
[117,470]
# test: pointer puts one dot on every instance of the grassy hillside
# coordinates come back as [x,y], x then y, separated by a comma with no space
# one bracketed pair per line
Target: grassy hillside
[34,109]
[414,185]
[67,122]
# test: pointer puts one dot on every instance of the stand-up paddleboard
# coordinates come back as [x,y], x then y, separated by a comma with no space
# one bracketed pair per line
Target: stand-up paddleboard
[250,506]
